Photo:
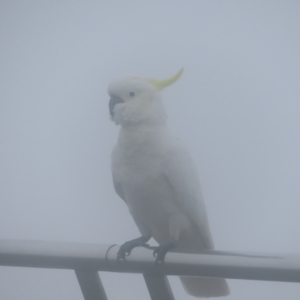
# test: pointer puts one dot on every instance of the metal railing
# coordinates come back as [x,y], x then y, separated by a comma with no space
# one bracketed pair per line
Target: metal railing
[87,259]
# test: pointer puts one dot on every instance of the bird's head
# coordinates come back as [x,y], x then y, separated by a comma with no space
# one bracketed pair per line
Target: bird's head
[137,100]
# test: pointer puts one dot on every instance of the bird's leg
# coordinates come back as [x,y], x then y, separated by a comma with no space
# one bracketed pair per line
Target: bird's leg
[126,248]
[161,251]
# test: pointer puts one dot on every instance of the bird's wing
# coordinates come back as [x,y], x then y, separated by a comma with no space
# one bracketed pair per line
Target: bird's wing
[116,183]
[182,175]
[118,189]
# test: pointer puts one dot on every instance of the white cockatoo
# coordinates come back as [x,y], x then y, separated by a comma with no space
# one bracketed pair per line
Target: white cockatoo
[156,177]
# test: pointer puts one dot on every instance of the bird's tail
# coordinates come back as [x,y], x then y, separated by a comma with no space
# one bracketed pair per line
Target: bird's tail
[203,287]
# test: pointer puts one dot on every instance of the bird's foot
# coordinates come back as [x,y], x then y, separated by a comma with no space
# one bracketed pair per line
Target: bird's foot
[126,248]
[161,251]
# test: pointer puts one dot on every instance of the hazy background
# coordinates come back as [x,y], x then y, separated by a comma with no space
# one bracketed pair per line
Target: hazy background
[236,107]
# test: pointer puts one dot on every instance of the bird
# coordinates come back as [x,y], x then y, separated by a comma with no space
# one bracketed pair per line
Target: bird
[155,175]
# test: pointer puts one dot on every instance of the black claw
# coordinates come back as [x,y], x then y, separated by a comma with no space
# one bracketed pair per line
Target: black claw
[161,251]
[127,247]
[147,246]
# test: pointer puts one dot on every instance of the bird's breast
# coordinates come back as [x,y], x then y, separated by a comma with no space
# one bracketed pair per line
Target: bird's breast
[147,191]
[138,166]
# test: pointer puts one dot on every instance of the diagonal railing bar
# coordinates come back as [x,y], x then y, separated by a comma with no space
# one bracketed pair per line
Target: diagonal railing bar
[104,258]
[158,287]
[91,285]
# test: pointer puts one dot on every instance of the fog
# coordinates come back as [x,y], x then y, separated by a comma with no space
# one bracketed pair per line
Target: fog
[236,108]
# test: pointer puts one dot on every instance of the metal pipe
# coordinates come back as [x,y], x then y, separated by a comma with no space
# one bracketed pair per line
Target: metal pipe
[104,258]
[158,287]
[57,255]
[91,285]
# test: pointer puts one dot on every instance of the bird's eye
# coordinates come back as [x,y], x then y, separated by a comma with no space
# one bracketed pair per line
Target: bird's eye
[132,94]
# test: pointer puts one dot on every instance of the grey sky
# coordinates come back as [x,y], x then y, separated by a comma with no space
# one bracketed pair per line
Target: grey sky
[236,107]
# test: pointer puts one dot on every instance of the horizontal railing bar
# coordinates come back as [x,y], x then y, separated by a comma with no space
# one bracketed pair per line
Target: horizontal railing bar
[104,258]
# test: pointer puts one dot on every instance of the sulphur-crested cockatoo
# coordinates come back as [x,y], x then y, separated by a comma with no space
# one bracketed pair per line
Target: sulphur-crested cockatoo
[156,177]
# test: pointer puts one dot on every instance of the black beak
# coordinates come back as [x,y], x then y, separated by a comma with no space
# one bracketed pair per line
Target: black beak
[112,102]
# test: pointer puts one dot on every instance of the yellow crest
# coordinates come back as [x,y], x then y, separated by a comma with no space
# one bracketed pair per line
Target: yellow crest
[161,84]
